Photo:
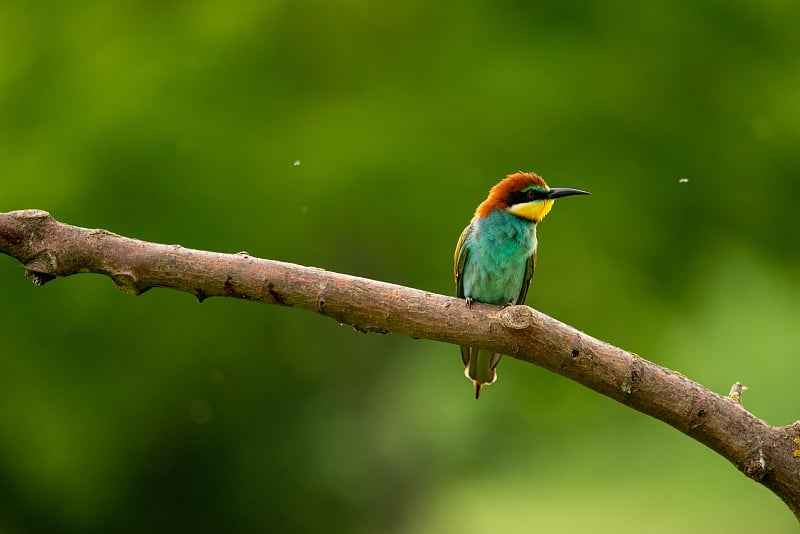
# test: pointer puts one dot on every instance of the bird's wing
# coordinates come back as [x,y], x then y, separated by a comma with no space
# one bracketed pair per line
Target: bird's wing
[530,266]
[459,259]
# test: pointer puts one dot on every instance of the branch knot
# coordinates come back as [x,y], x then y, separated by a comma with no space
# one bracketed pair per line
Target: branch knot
[517,317]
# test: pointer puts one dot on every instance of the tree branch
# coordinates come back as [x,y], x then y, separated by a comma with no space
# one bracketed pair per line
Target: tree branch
[769,455]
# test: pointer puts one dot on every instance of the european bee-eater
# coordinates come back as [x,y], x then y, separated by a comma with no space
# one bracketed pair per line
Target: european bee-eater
[496,255]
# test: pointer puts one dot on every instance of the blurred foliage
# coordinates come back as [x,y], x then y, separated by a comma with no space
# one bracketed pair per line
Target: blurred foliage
[181,122]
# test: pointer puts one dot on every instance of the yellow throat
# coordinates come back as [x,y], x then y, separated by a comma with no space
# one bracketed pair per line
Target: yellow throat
[533,211]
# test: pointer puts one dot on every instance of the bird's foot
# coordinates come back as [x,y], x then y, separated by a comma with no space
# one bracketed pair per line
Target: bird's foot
[509,303]
[469,302]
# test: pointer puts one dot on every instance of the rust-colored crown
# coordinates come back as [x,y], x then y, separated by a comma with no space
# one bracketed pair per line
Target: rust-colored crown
[499,194]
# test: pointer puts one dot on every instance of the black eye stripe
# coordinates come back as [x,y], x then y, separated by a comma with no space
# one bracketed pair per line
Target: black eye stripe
[526,195]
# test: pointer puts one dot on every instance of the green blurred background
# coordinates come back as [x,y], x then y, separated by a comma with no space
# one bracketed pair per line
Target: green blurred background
[181,122]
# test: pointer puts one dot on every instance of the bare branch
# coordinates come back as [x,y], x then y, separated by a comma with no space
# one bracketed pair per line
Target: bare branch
[769,455]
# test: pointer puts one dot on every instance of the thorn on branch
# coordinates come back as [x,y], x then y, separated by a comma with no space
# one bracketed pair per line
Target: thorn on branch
[736,392]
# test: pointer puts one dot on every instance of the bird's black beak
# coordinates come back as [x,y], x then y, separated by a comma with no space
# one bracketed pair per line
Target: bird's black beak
[558,192]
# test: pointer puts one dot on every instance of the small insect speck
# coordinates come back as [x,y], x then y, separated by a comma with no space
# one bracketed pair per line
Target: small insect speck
[296,163]
[683,181]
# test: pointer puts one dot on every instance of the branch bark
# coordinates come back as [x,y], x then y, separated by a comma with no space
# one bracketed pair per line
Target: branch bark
[767,454]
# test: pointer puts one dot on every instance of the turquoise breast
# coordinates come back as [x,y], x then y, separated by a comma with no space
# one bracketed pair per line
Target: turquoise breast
[499,247]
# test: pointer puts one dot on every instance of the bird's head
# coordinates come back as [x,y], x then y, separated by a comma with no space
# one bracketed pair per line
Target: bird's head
[526,195]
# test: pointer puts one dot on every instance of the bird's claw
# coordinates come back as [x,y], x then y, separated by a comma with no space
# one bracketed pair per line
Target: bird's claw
[469,302]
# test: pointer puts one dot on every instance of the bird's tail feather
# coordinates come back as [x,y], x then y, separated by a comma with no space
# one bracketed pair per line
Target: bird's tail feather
[480,366]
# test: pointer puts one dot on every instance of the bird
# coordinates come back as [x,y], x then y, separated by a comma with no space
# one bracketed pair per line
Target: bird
[496,255]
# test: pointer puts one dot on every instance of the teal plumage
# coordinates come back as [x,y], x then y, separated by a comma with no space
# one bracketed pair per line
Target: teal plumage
[496,250]
[496,255]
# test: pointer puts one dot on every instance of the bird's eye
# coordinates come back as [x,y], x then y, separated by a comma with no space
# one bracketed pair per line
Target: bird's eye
[531,194]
